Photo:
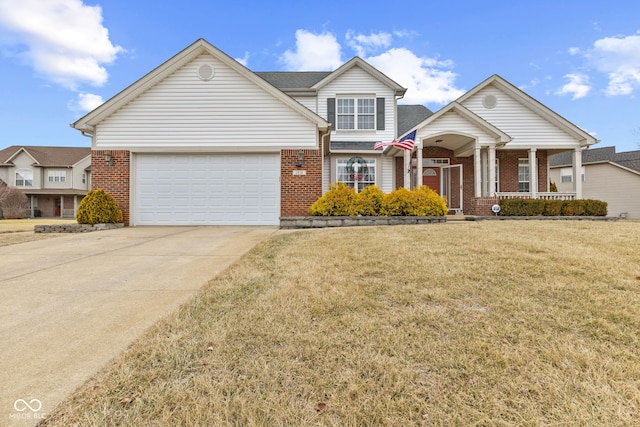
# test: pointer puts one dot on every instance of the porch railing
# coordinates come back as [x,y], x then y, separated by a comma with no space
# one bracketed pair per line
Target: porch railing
[545,196]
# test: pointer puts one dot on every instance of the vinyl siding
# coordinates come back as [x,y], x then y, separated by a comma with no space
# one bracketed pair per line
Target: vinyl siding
[387,174]
[618,187]
[226,113]
[358,82]
[526,127]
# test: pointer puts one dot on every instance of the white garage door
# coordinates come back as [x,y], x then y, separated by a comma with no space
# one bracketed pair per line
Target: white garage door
[208,189]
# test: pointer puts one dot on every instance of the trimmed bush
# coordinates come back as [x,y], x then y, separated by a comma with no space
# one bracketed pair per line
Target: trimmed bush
[537,207]
[98,207]
[369,201]
[397,203]
[426,202]
[338,201]
[595,207]
[341,200]
[553,207]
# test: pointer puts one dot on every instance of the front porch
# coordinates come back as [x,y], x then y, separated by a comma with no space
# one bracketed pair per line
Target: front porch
[474,180]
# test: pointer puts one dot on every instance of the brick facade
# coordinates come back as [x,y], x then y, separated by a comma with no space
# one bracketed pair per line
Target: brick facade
[300,186]
[113,178]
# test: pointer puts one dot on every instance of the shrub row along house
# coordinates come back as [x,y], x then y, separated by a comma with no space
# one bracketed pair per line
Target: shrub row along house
[203,140]
[54,179]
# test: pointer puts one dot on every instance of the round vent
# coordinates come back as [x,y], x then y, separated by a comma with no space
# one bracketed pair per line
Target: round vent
[490,101]
[205,72]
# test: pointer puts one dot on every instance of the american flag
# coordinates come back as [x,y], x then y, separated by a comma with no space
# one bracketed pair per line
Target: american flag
[406,142]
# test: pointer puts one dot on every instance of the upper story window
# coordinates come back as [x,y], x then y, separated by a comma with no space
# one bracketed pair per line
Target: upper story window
[356,113]
[57,176]
[24,178]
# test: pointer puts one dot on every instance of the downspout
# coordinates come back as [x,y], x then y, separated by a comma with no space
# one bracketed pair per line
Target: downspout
[326,141]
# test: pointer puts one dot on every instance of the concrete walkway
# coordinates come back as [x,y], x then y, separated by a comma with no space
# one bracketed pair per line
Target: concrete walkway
[70,304]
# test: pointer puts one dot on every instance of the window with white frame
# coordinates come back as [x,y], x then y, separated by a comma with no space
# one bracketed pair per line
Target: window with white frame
[566,174]
[57,176]
[523,175]
[24,178]
[356,113]
[363,172]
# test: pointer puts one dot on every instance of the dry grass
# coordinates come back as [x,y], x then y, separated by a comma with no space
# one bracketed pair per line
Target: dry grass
[14,231]
[509,323]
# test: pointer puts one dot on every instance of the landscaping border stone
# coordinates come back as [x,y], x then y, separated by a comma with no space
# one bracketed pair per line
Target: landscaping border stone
[355,221]
[74,228]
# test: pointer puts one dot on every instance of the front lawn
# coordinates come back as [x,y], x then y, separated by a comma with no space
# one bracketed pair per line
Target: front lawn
[483,323]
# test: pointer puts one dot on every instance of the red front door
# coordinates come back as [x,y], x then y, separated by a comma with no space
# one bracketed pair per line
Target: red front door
[431,178]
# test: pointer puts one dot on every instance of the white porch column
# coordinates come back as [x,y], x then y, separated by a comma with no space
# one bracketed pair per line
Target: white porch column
[75,206]
[61,206]
[577,172]
[477,172]
[33,211]
[492,171]
[407,169]
[419,165]
[533,173]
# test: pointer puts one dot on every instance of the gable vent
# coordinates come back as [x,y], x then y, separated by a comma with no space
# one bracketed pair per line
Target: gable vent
[205,72]
[490,101]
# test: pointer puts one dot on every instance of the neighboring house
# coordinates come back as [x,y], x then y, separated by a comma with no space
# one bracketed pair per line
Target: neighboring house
[203,140]
[54,179]
[605,175]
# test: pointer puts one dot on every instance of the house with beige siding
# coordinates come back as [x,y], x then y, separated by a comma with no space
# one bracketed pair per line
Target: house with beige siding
[54,179]
[605,175]
[202,139]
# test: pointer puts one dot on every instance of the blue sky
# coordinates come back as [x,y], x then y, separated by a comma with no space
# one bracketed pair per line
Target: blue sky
[61,58]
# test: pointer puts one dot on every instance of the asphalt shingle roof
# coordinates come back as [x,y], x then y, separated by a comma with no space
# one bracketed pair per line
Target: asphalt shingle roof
[628,159]
[409,116]
[48,156]
[293,79]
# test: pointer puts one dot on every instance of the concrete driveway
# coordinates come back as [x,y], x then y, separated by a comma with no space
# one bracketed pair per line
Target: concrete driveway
[70,304]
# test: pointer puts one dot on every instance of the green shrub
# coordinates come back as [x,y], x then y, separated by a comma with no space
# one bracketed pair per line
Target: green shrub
[595,207]
[513,207]
[572,208]
[536,207]
[553,207]
[98,207]
[369,201]
[338,201]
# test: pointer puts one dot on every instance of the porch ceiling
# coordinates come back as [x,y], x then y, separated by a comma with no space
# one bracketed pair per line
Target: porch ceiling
[461,145]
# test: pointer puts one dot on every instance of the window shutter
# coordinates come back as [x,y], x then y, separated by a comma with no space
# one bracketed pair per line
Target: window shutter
[331,112]
[379,113]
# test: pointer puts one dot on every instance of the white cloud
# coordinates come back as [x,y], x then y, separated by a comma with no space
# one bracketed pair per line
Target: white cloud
[574,51]
[619,57]
[244,60]
[363,45]
[428,80]
[86,102]
[63,40]
[314,52]
[578,86]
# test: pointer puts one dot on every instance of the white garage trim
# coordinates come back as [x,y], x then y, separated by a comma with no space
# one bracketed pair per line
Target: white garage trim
[206,189]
